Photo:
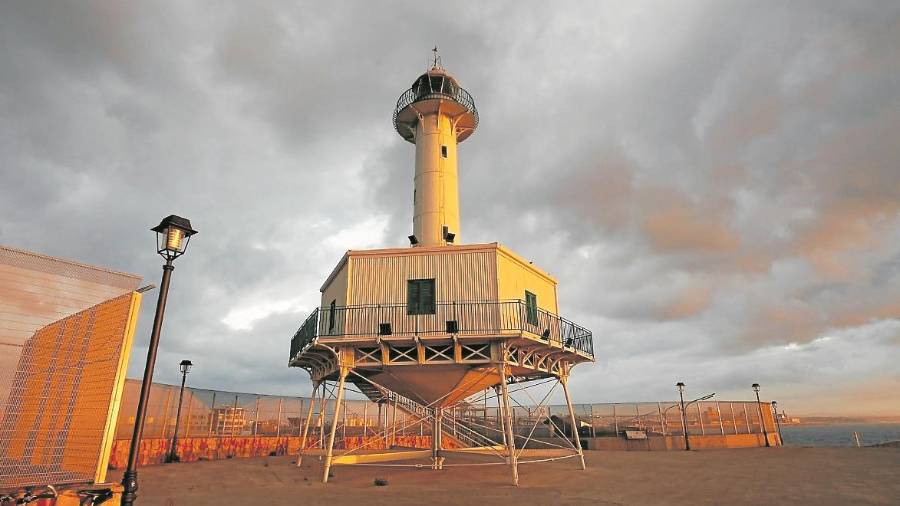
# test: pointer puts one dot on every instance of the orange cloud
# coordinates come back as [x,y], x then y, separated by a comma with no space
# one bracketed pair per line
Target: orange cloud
[679,226]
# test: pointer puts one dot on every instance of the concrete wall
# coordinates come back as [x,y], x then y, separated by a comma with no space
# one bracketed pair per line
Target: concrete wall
[705,442]
[153,451]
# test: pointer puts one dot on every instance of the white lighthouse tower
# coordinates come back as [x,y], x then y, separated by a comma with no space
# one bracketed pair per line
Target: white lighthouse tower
[428,329]
[435,114]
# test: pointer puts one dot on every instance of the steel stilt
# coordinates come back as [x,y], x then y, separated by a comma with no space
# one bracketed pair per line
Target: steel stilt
[507,422]
[323,406]
[437,460]
[309,412]
[329,452]
[564,379]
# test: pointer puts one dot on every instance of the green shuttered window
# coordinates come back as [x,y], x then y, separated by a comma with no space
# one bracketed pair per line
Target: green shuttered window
[420,296]
[531,313]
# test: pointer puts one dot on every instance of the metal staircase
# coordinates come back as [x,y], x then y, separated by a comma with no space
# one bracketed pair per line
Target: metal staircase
[454,428]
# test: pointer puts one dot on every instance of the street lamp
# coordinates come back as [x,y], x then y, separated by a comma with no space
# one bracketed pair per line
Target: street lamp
[185,367]
[172,235]
[687,442]
[777,422]
[762,421]
[680,385]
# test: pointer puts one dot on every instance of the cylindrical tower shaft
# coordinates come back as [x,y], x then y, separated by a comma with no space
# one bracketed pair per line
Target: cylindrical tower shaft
[435,114]
[436,197]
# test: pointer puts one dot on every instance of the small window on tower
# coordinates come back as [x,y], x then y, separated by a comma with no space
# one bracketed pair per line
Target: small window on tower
[443,151]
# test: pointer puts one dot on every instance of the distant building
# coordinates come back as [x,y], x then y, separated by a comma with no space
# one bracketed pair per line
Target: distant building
[229,420]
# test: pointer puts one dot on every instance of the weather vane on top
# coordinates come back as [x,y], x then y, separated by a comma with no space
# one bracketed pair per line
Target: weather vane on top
[436,62]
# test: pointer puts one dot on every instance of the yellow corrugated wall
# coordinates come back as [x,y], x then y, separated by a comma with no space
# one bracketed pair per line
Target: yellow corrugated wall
[460,275]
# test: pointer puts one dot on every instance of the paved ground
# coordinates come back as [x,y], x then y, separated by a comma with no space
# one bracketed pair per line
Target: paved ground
[819,476]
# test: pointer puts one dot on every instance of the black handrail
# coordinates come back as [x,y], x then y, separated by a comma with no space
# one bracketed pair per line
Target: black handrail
[455,93]
[448,318]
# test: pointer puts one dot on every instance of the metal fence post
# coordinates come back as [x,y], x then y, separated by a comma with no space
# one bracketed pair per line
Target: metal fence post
[234,416]
[365,419]
[212,414]
[700,417]
[747,418]
[344,422]
[165,417]
[299,415]
[615,420]
[721,425]
[187,430]
[662,421]
[733,418]
[278,423]
[256,417]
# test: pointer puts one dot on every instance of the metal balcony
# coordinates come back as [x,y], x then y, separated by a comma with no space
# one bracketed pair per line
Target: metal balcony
[448,319]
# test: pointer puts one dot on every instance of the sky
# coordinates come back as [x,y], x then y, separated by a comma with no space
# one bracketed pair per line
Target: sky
[716,185]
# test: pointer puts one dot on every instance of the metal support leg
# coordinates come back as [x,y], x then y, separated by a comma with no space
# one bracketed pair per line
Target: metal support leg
[437,460]
[309,412]
[507,421]
[323,406]
[329,452]
[501,420]
[565,384]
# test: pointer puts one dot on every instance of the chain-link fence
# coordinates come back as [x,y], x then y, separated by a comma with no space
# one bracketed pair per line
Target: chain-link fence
[216,413]
[665,418]
[65,331]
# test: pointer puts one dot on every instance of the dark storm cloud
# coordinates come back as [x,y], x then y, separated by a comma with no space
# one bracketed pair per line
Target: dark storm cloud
[714,184]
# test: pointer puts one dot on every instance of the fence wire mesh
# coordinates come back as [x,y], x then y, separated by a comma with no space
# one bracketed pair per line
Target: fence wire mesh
[64,328]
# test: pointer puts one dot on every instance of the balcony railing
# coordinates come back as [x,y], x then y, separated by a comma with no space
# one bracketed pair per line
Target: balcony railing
[454,93]
[448,318]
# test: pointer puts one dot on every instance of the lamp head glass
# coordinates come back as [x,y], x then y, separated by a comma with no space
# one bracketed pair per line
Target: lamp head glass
[172,236]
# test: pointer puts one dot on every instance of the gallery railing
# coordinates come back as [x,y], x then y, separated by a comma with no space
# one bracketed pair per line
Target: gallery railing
[446,318]
[445,91]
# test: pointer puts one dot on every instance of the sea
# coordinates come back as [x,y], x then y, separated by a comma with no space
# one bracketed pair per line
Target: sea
[840,434]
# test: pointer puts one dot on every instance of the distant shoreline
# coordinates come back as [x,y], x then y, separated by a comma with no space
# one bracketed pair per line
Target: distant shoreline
[838,421]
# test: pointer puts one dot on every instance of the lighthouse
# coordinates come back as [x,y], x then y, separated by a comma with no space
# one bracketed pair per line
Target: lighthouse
[436,114]
[427,329]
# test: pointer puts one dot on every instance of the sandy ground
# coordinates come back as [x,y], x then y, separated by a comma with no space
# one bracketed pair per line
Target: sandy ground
[817,476]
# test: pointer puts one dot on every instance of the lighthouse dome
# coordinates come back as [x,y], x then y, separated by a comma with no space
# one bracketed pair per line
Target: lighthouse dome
[435,81]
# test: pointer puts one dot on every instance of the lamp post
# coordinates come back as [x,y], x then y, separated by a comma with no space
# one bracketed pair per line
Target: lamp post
[687,442]
[185,367]
[777,422]
[762,421]
[172,237]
